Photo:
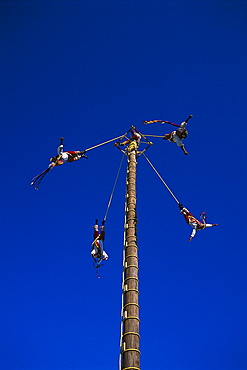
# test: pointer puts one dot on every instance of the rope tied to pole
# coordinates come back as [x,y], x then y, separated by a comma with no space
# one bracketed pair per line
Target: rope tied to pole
[105,142]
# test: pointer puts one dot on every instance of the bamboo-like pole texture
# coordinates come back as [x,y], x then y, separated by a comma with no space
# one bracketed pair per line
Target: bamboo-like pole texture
[130,335]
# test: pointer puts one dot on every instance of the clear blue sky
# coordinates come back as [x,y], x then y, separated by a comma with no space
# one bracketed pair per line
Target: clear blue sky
[88,70]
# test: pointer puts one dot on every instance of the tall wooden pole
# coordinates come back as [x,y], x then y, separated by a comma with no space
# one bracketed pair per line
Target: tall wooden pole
[130,353]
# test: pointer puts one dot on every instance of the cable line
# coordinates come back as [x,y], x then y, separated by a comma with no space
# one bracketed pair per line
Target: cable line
[155,135]
[106,142]
[162,180]
[113,189]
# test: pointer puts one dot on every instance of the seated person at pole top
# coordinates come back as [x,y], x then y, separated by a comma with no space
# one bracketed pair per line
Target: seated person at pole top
[136,136]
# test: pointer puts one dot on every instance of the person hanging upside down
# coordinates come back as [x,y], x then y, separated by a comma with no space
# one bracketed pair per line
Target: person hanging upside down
[58,160]
[193,222]
[69,156]
[97,251]
[178,135]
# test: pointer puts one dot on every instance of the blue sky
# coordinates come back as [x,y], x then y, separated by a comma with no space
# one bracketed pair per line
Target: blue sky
[87,71]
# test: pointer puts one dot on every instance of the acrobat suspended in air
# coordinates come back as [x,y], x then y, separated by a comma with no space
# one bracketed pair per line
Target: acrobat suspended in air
[97,252]
[193,222]
[61,158]
[176,136]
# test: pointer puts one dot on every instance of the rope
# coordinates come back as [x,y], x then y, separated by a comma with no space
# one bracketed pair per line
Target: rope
[131,236]
[126,267]
[130,245]
[129,304]
[132,290]
[113,189]
[132,349]
[131,277]
[133,218]
[155,135]
[106,142]
[132,317]
[162,180]
[132,332]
